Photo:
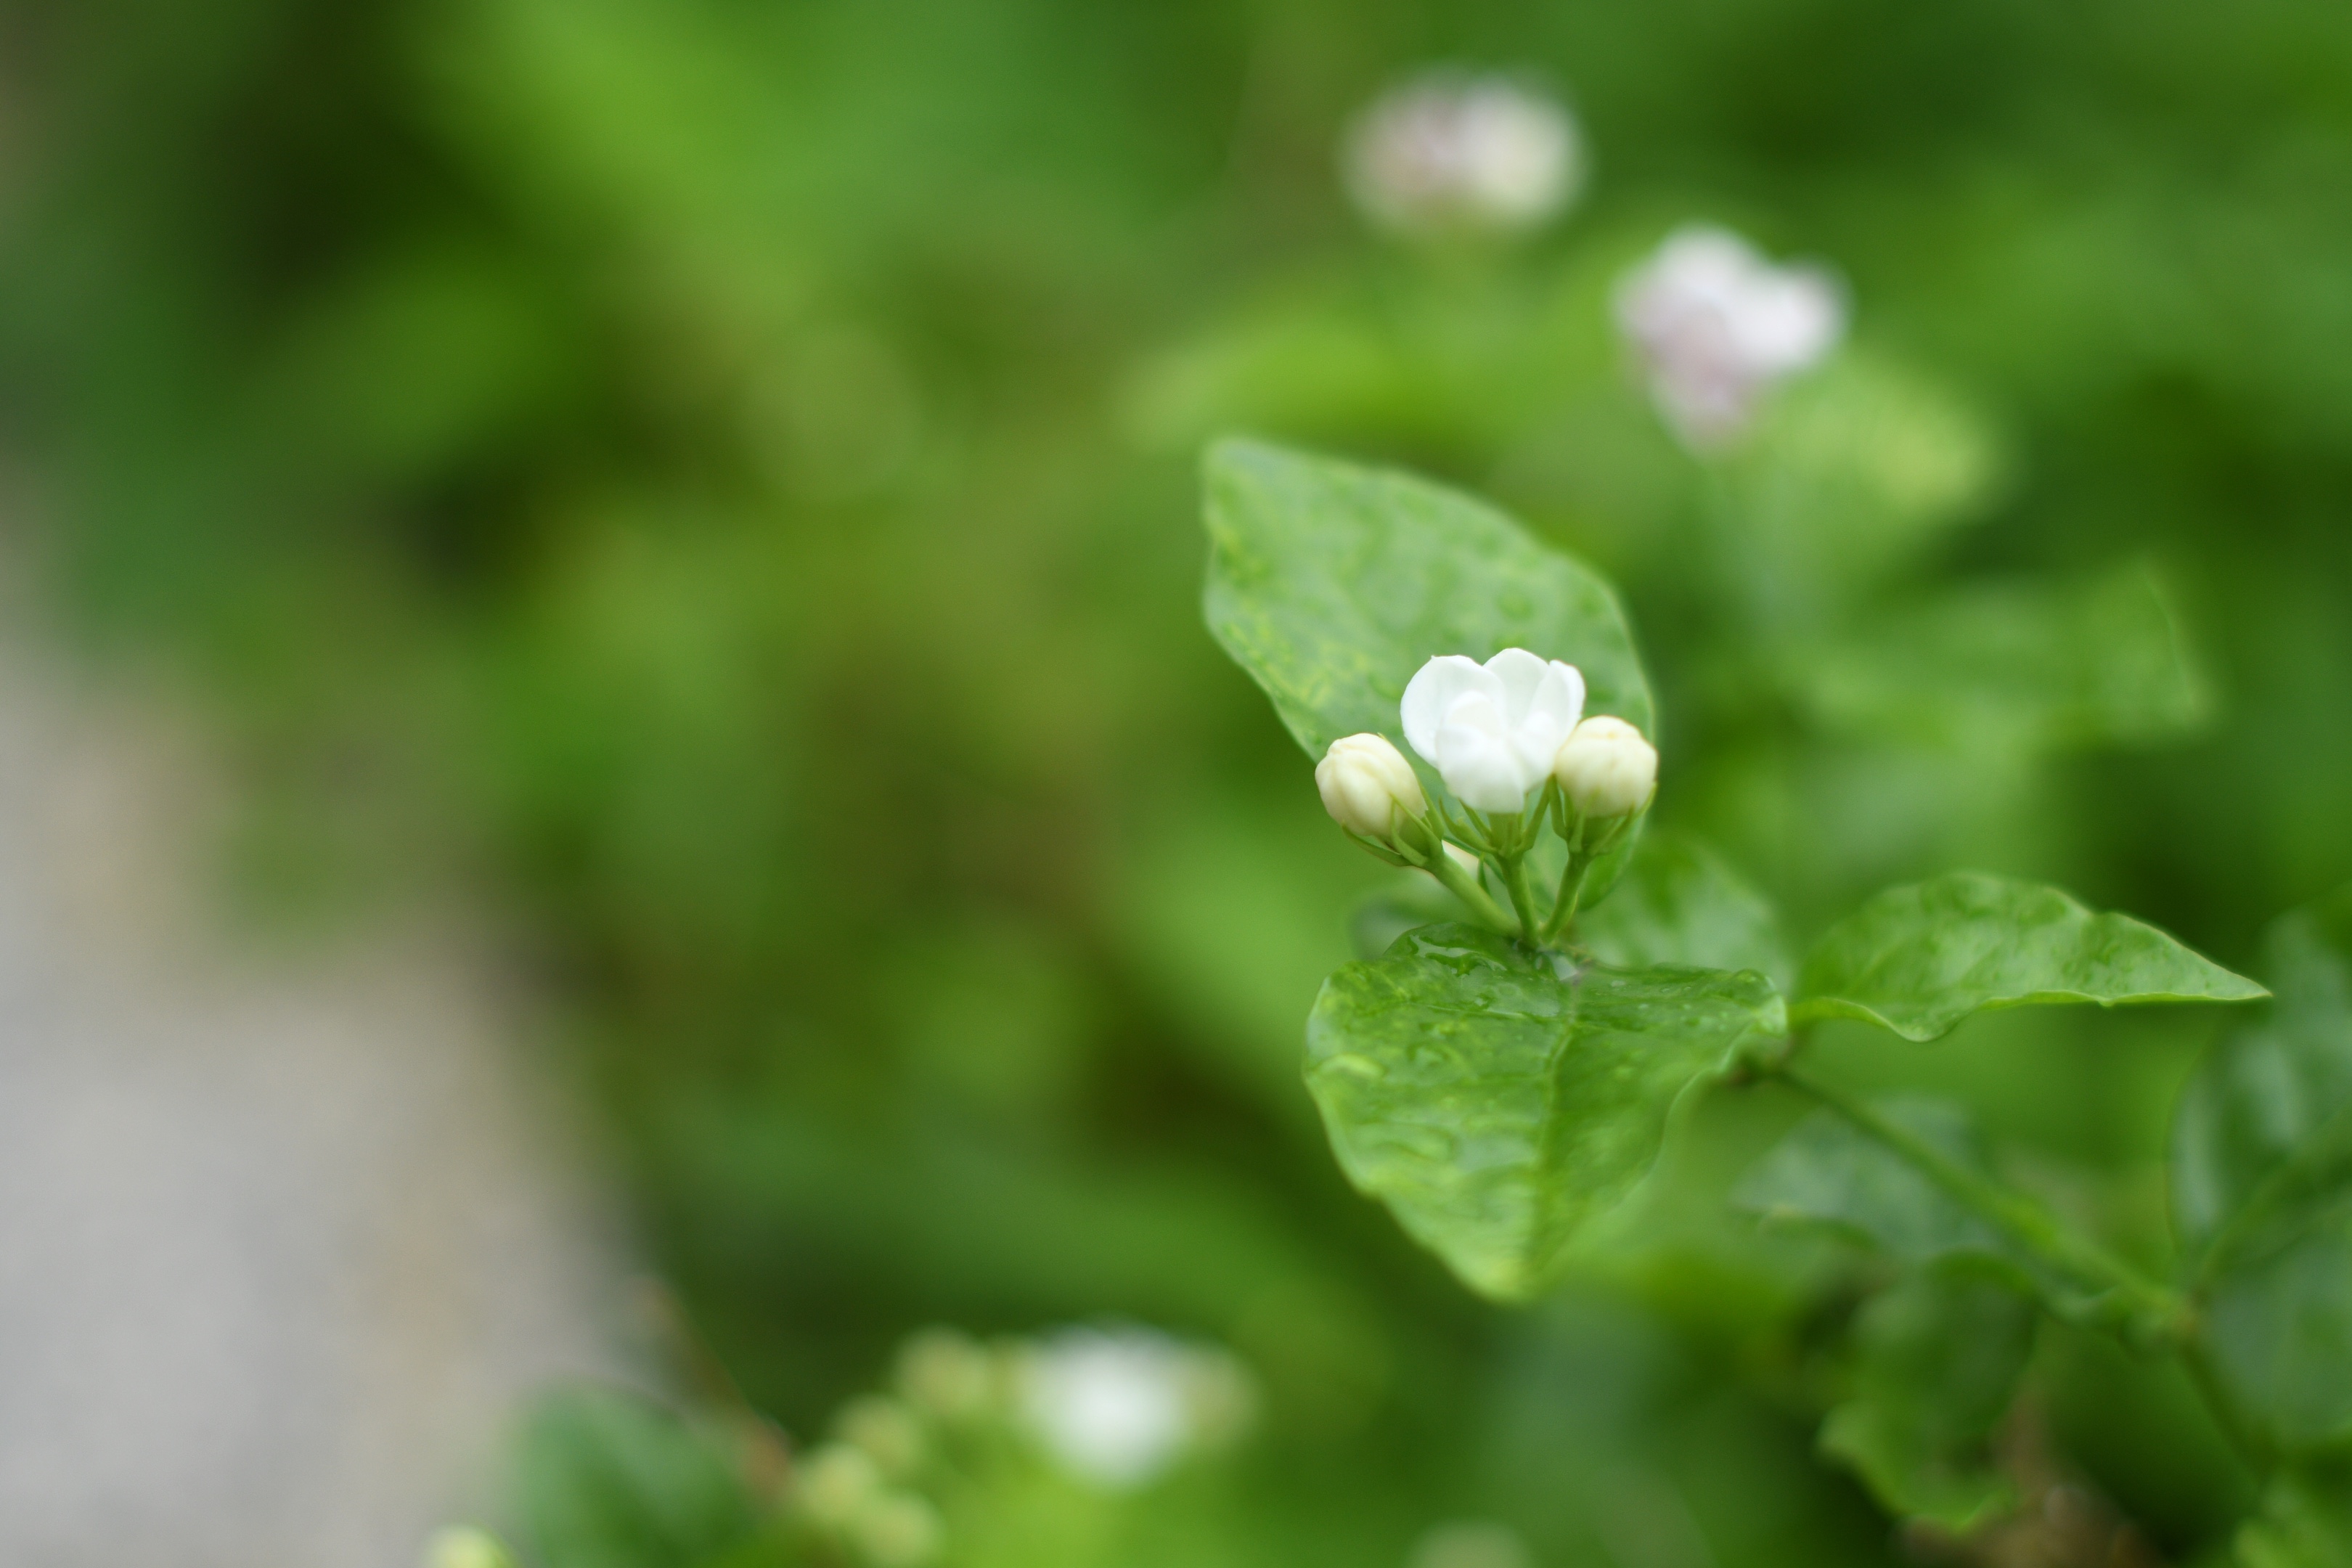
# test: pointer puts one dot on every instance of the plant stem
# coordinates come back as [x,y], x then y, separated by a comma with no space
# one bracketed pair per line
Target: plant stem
[2150,1313]
[1523,897]
[1571,894]
[1464,886]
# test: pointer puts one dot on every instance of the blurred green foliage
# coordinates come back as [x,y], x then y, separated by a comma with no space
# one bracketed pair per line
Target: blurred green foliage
[716,475]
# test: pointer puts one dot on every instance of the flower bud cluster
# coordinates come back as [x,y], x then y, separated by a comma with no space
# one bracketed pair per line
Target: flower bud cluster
[1111,1408]
[1510,740]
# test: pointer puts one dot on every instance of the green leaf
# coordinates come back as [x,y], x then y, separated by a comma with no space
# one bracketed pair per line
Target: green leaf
[1498,1098]
[1679,904]
[2278,1330]
[2021,668]
[1919,959]
[1332,585]
[2264,1130]
[1828,1172]
[2261,1190]
[2306,1522]
[1937,1363]
[608,1479]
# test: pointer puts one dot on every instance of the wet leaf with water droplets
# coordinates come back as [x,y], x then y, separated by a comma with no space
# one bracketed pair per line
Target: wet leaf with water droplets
[1517,1098]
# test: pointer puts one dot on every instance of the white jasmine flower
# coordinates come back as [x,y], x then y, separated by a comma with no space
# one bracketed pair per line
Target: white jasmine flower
[1493,730]
[1368,786]
[1717,324]
[1449,151]
[1606,767]
[1110,1403]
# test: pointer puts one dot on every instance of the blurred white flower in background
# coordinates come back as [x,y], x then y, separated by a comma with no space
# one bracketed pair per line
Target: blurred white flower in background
[1717,324]
[1448,151]
[1118,1405]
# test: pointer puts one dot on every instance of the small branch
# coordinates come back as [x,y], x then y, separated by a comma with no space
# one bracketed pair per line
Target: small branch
[1570,895]
[1464,886]
[2151,1314]
[1523,897]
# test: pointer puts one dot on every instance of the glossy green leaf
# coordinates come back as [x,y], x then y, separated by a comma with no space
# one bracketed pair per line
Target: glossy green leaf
[1497,1098]
[2306,1522]
[2262,1189]
[1678,903]
[1332,585]
[609,1479]
[1921,958]
[1937,1359]
[2034,668]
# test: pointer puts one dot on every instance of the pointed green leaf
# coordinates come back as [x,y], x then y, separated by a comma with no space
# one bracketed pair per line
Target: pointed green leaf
[1680,904]
[1937,1358]
[1332,584]
[1919,959]
[1497,1098]
[2262,1189]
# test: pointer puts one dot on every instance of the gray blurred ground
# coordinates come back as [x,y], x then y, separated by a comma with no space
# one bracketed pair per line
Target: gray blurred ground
[281,1239]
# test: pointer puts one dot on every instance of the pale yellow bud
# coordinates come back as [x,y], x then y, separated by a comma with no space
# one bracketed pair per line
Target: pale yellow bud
[1368,786]
[463,1546]
[1606,767]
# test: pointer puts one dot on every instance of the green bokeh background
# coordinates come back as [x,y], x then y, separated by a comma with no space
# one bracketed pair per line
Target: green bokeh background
[712,479]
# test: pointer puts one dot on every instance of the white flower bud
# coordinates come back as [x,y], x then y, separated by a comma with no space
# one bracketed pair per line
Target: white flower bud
[1716,324]
[1111,1403]
[1447,150]
[1369,788]
[1606,767]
